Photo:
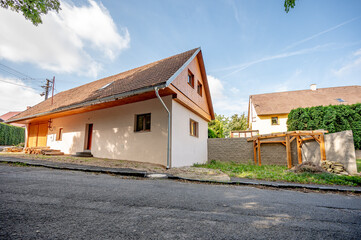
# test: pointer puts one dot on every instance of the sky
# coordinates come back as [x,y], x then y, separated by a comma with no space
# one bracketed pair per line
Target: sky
[249,47]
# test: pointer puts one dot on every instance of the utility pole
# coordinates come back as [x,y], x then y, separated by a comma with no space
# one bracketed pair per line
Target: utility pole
[46,89]
[52,94]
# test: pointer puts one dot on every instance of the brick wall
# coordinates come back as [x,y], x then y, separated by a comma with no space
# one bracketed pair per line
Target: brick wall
[339,147]
[240,151]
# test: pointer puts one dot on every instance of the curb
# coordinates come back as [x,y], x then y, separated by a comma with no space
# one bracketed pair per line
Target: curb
[144,174]
[82,168]
[270,184]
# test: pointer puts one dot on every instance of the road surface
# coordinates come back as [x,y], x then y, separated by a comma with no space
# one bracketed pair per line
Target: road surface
[40,203]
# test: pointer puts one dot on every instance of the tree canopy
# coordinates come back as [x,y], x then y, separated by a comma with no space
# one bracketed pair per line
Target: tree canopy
[32,9]
[221,126]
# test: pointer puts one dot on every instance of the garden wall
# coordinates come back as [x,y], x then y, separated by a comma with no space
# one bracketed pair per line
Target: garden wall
[240,151]
[339,147]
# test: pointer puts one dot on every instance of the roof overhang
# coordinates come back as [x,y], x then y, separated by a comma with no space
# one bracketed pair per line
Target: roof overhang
[92,105]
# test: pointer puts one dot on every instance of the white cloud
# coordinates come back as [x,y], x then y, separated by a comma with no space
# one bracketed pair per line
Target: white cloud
[25,96]
[61,44]
[223,102]
[352,68]
[320,33]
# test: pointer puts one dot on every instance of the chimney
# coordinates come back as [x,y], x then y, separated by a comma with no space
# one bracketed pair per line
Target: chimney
[313,87]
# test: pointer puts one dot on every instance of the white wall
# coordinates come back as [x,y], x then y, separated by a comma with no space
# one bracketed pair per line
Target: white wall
[113,132]
[263,123]
[187,149]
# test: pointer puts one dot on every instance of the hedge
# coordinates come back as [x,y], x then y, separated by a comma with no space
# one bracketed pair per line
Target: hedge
[11,135]
[334,118]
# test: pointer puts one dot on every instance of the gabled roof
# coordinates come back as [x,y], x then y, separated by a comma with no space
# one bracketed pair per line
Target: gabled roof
[134,81]
[6,116]
[284,102]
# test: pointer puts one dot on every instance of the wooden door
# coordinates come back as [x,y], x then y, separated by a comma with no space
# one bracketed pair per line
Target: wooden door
[42,134]
[88,139]
[37,135]
[33,135]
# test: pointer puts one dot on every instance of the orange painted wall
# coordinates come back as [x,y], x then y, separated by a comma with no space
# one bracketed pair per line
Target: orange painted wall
[181,83]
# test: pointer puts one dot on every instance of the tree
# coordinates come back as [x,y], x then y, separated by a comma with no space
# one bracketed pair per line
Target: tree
[222,126]
[216,126]
[32,9]
[289,4]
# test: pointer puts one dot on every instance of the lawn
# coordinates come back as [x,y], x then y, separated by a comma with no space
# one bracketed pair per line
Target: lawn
[280,173]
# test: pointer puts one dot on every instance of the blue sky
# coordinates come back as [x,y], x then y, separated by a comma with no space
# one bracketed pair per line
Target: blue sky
[249,47]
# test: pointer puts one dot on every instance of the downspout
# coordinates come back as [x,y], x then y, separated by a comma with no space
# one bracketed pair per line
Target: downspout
[168,144]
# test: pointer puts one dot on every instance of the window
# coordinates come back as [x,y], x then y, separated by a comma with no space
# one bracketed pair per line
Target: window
[193,128]
[274,121]
[59,135]
[199,88]
[142,122]
[340,100]
[190,79]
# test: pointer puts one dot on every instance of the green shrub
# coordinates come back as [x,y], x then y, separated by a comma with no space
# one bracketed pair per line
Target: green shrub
[11,135]
[211,133]
[334,118]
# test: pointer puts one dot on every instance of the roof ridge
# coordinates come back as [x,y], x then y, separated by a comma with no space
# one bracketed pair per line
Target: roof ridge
[304,90]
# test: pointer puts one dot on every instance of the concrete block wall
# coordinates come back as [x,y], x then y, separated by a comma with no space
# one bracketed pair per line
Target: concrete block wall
[339,147]
[240,151]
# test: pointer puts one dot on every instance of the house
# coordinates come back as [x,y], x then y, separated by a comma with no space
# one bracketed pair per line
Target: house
[268,112]
[157,113]
[6,116]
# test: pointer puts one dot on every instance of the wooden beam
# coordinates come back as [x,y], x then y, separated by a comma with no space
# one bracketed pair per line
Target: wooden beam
[322,147]
[307,139]
[280,141]
[293,138]
[255,152]
[259,152]
[299,149]
[288,150]
[316,138]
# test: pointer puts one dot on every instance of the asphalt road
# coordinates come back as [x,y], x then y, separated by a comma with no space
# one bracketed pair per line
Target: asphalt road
[39,203]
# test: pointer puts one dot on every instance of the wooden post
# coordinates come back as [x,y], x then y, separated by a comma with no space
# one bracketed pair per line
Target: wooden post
[259,151]
[299,149]
[288,150]
[322,147]
[255,151]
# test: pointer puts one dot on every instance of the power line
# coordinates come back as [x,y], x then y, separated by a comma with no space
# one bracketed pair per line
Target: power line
[16,84]
[24,76]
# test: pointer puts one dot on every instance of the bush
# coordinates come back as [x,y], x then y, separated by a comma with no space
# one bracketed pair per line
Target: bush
[334,118]
[11,135]
[211,133]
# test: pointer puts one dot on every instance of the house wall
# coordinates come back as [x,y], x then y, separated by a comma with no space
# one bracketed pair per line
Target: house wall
[181,83]
[263,123]
[113,132]
[186,149]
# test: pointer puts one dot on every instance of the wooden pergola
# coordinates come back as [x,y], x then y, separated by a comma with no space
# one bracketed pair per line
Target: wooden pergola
[299,136]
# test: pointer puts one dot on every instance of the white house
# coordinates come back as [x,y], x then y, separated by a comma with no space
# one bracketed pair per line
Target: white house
[157,113]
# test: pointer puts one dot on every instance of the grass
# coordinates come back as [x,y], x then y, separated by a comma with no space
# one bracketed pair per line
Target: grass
[280,173]
[358,162]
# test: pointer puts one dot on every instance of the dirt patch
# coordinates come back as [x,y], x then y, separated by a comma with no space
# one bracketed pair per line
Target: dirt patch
[199,173]
[185,172]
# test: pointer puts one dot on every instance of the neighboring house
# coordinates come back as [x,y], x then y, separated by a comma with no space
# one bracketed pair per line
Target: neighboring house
[121,117]
[268,112]
[9,115]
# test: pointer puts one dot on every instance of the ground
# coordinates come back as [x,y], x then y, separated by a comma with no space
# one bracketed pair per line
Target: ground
[185,172]
[52,204]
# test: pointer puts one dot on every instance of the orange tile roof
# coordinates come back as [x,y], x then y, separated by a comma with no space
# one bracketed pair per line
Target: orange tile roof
[149,75]
[284,102]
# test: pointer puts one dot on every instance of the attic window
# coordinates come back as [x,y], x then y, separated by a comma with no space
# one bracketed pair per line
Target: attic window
[199,88]
[340,100]
[106,85]
[190,79]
